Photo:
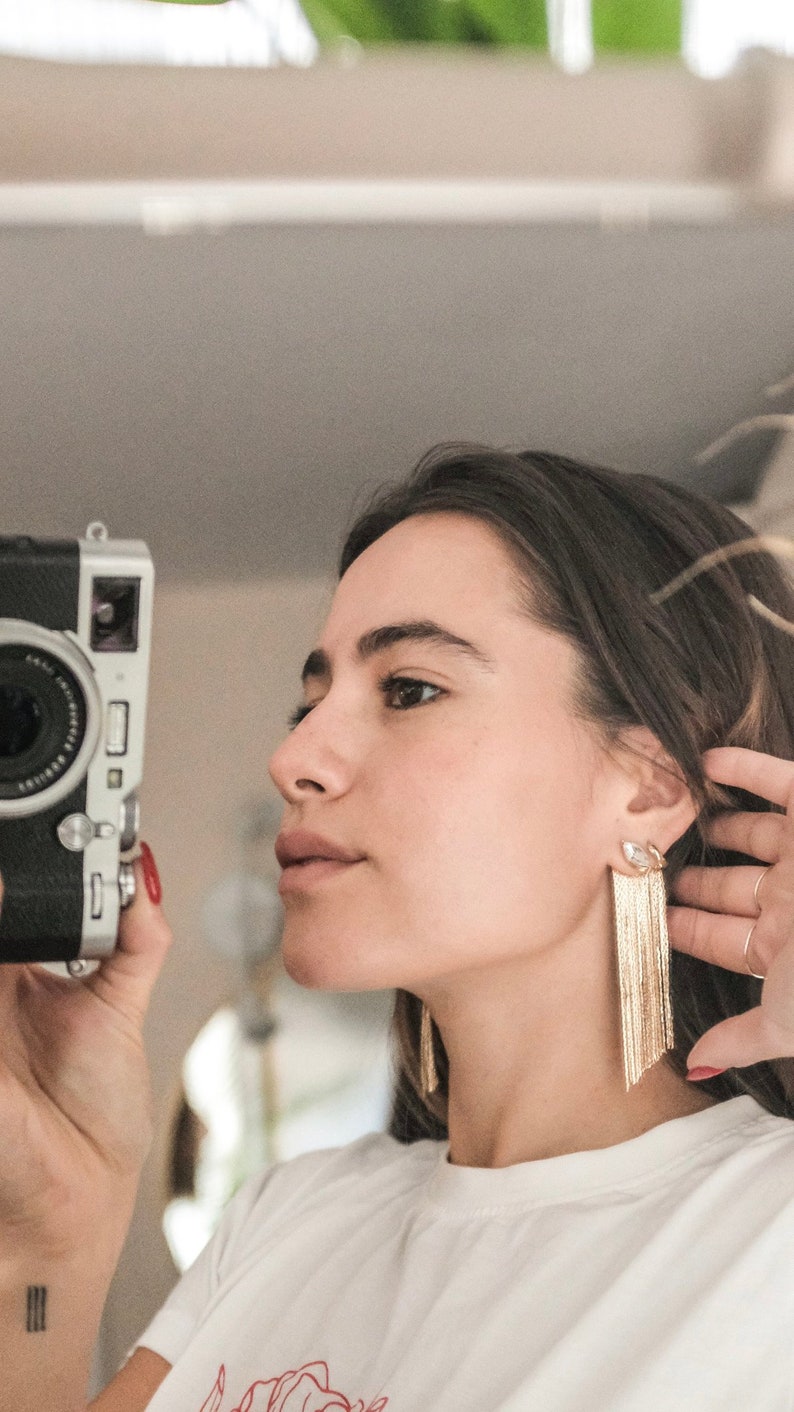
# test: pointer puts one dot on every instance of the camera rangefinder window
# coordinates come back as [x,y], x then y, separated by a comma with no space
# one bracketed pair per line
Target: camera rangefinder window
[114,614]
[42,720]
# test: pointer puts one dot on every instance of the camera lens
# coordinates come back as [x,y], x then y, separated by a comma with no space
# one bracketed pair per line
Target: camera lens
[20,721]
[42,719]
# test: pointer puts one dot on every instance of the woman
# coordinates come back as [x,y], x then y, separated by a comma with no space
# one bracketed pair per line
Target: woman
[503,697]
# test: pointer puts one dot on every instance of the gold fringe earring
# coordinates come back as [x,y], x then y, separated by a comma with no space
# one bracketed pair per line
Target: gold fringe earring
[643,948]
[428,1075]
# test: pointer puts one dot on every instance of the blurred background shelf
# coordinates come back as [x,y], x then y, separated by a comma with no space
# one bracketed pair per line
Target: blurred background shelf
[423,112]
[283,284]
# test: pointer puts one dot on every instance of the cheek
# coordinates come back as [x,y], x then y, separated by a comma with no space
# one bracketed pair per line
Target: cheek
[481,853]
[493,851]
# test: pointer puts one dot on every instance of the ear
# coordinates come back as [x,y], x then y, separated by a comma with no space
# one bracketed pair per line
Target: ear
[658,804]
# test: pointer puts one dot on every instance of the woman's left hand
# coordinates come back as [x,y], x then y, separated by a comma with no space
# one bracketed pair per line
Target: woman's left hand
[722,904]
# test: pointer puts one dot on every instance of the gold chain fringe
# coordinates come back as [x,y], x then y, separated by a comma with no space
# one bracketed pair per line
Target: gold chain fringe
[429,1077]
[643,948]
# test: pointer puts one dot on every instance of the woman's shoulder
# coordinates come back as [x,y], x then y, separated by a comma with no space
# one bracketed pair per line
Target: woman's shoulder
[764,1138]
[371,1154]
[375,1163]
[747,1168]
[761,1128]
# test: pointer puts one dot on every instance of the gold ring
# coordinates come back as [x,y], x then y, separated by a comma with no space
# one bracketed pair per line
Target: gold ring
[746,957]
[757,887]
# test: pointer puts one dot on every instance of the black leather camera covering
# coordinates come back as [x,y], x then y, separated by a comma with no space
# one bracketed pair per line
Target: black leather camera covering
[42,910]
[40,581]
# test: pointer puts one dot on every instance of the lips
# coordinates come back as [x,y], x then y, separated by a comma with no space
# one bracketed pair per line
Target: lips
[300,846]
[310,873]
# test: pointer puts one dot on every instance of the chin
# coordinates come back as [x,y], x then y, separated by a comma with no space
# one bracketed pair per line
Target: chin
[312,963]
[312,966]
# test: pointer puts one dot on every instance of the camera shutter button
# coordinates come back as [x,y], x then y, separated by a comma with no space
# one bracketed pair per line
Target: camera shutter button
[75,832]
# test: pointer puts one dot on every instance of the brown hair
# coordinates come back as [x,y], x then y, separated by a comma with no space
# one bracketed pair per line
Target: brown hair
[589,547]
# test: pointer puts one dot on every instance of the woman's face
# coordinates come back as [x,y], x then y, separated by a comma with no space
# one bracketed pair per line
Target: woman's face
[474,795]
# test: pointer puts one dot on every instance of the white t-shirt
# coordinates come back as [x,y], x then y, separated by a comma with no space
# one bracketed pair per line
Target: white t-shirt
[656,1275]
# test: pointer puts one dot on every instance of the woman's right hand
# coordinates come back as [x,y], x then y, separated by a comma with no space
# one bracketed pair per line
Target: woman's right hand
[75,1095]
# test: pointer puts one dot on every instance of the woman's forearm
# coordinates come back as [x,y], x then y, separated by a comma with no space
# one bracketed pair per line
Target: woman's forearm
[50,1311]
[75,1131]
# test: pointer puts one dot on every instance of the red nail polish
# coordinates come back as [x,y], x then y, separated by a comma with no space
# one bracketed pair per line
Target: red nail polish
[704,1073]
[150,874]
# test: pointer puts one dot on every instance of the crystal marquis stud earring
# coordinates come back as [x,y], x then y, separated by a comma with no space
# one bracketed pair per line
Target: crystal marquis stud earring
[643,948]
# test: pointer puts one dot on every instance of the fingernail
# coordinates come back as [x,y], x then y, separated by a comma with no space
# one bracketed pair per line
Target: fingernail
[150,874]
[703,1073]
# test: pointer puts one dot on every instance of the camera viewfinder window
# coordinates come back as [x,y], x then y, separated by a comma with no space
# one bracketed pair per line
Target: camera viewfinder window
[114,615]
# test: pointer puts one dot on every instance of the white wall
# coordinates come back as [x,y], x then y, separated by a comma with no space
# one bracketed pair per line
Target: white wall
[773,510]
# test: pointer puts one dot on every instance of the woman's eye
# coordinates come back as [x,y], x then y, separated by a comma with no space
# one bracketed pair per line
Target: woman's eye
[399,685]
[297,716]
[390,686]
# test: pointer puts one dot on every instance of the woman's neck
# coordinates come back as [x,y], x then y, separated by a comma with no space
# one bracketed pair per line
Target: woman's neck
[549,1130]
[535,1064]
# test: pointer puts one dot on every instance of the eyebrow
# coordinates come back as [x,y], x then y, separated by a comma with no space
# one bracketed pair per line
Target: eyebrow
[318,663]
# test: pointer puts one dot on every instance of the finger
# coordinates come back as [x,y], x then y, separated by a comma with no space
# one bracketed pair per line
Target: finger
[777,996]
[719,939]
[750,1038]
[730,890]
[758,835]
[768,776]
[126,978]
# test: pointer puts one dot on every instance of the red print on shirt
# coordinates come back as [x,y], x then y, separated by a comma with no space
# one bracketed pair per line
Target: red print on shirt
[303,1389]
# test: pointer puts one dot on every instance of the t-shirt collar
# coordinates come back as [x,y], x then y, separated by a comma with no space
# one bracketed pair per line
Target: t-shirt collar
[576,1175]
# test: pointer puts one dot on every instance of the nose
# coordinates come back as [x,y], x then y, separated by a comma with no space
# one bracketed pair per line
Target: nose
[283,769]
[303,765]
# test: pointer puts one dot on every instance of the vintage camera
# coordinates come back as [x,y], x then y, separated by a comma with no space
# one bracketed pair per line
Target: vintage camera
[75,629]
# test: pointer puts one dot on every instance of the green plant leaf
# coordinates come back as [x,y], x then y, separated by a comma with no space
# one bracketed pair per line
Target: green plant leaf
[368,21]
[521,22]
[430,21]
[454,24]
[637,26]
[498,22]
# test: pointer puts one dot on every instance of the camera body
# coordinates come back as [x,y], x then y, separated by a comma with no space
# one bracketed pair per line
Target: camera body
[75,633]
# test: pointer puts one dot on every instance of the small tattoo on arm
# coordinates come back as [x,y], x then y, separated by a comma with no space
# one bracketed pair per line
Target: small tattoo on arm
[37,1308]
